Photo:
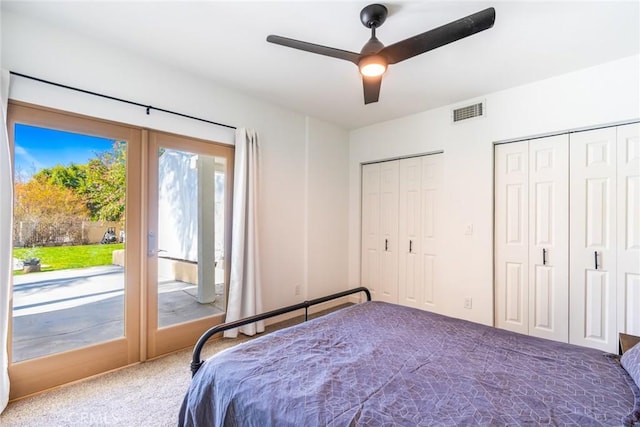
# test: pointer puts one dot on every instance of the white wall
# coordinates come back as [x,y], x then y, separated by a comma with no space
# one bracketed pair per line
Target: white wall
[603,94]
[295,148]
[327,204]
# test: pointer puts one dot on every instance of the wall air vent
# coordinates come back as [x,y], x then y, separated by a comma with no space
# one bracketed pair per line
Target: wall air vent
[468,112]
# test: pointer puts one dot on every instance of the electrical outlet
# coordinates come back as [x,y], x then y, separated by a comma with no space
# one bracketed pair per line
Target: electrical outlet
[467,302]
[297,290]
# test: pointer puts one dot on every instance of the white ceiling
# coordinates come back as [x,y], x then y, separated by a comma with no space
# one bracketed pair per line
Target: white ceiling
[225,41]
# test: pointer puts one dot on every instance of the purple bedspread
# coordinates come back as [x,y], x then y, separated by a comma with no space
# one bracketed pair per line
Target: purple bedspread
[378,364]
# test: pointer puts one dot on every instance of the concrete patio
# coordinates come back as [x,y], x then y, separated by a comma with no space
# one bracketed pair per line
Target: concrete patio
[67,309]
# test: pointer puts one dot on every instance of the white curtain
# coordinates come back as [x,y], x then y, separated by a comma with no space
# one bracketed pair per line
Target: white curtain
[6,215]
[245,291]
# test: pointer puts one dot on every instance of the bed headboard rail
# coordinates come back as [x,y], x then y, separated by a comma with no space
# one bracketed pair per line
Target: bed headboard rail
[196,362]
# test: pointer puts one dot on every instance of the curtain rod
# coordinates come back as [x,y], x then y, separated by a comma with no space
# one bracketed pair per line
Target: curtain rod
[147,107]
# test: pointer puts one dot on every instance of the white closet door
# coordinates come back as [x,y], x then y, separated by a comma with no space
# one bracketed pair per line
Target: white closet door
[370,249]
[512,236]
[549,237]
[389,187]
[431,229]
[410,210]
[593,239]
[628,241]
[420,183]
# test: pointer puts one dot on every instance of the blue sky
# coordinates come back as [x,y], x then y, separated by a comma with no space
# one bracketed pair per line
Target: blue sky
[37,148]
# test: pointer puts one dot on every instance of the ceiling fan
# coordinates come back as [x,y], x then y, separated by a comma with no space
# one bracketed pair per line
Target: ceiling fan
[374,57]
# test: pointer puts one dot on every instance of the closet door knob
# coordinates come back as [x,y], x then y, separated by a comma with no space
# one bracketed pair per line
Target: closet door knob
[386,245]
[410,245]
[544,256]
[596,258]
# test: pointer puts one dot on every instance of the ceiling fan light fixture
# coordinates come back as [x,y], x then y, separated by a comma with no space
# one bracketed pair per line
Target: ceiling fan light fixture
[372,66]
[375,57]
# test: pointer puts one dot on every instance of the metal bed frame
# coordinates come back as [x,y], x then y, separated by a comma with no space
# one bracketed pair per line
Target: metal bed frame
[196,362]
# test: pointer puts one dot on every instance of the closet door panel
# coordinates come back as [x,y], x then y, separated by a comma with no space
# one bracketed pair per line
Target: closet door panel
[410,265]
[593,248]
[628,236]
[548,237]
[596,303]
[388,286]
[428,244]
[371,237]
[513,298]
[543,300]
[512,236]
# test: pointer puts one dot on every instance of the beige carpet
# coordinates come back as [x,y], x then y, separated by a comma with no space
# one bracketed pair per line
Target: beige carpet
[148,394]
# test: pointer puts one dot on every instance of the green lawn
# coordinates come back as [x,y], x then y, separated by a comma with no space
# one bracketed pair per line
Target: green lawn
[65,257]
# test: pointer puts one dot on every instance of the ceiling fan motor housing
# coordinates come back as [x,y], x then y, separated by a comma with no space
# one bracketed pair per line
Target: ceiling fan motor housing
[373,16]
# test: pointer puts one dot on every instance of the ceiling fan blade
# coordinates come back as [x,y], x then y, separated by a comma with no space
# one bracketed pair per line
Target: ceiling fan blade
[371,88]
[440,36]
[315,48]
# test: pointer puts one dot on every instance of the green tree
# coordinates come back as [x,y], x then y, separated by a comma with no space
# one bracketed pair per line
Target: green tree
[105,190]
[73,176]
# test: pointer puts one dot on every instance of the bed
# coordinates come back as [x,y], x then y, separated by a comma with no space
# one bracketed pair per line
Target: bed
[380,364]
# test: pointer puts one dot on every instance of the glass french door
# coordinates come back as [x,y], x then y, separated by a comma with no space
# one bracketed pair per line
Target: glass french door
[120,244]
[75,287]
[188,223]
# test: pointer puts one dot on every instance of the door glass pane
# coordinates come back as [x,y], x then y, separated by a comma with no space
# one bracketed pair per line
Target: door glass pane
[68,241]
[190,236]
